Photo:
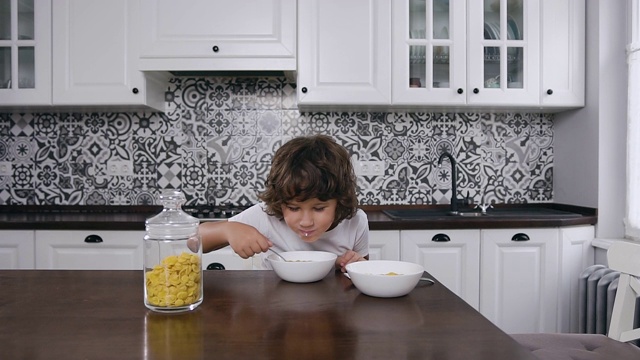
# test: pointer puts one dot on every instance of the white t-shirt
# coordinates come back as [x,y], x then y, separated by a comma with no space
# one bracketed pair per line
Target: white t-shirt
[350,234]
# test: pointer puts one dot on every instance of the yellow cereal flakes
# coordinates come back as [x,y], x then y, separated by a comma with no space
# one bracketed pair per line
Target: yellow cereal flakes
[175,281]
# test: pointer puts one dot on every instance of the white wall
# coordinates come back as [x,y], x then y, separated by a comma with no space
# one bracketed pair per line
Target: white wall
[589,143]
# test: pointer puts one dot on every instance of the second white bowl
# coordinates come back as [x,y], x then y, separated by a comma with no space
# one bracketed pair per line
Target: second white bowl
[385,278]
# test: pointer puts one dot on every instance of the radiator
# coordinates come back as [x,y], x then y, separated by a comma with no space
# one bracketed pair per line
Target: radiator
[598,285]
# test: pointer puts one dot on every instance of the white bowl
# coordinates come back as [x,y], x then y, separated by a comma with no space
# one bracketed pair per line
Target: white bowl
[303,266]
[376,277]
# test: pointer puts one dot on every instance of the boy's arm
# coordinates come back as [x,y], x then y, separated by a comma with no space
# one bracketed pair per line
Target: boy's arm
[244,239]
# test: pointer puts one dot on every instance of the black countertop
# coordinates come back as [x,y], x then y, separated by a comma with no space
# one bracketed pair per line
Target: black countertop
[77,217]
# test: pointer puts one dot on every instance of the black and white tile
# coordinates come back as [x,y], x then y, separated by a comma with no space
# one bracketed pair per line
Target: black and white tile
[217,137]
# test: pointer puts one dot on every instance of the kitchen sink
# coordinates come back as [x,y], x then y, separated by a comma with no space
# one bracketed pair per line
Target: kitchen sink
[533,212]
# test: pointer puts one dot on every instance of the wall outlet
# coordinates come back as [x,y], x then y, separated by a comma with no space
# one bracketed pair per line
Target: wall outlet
[370,168]
[6,168]
[120,168]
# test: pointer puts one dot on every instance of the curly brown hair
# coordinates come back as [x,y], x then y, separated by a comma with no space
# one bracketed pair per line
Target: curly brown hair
[309,167]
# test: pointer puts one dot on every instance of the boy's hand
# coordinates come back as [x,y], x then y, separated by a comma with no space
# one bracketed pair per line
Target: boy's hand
[245,240]
[348,257]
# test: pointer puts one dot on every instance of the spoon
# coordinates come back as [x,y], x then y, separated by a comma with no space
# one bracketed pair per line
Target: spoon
[275,252]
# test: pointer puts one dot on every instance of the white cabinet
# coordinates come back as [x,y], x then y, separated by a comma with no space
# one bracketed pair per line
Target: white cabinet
[451,256]
[25,53]
[429,64]
[523,280]
[95,56]
[519,279]
[78,53]
[344,52]
[217,35]
[483,53]
[490,53]
[17,249]
[89,250]
[576,254]
[563,53]
[384,245]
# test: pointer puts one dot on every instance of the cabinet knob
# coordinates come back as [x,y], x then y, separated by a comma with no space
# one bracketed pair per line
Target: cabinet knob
[549,92]
[476,90]
[215,48]
[440,238]
[135,90]
[460,91]
[215,266]
[520,237]
[304,90]
[93,239]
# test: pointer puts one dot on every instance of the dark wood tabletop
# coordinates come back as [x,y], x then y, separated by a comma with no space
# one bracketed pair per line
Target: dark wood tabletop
[50,314]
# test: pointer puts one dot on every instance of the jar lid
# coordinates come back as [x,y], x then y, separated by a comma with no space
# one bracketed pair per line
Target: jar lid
[172,222]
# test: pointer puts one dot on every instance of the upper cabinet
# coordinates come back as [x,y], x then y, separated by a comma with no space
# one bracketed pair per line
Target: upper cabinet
[95,56]
[488,54]
[80,53]
[563,53]
[447,54]
[199,35]
[504,53]
[344,52]
[25,52]
[430,52]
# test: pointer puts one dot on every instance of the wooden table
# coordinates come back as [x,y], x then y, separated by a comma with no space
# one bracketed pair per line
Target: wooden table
[50,314]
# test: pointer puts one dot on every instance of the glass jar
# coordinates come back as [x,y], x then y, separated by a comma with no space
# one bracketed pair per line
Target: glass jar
[172,258]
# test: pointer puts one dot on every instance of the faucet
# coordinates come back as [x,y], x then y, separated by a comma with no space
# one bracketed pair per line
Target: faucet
[454,181]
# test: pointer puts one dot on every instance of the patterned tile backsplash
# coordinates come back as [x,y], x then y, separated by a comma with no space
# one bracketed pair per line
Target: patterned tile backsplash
[216,139]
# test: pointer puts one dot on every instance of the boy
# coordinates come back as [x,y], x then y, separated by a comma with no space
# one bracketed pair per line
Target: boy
[309,203]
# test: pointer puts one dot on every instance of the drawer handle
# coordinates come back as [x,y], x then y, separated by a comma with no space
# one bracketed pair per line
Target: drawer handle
[520,237]
[93,239]
[215,48]
[215,266]
[440,238]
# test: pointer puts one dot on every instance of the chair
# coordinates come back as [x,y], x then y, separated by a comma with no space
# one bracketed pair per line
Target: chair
[624,257]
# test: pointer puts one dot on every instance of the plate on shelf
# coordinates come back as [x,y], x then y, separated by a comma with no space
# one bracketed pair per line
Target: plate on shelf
[417,34]
[491,31]
[514,32]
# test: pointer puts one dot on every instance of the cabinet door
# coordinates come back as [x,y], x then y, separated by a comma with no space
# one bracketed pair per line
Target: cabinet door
[227,258]
[95,56]
[576,254]
[384,245]
[519,279]
[25,53]
[563,53]
[503,52]
[89,250]
[429,52]
[218,35]
[17,249]
[344,52]
[451,256]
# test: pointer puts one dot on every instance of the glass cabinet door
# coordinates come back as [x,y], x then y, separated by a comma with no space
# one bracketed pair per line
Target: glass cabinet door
[503,37]
[25,45]
[429,51]
[504,51]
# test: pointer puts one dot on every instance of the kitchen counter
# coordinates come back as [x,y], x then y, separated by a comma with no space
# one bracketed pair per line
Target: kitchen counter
[75,217]
[53,314]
